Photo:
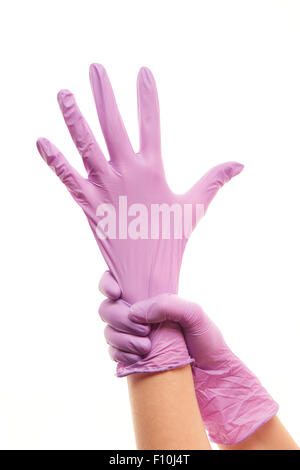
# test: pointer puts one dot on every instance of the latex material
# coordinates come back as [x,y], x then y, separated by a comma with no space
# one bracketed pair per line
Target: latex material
[142,267]
[232,401]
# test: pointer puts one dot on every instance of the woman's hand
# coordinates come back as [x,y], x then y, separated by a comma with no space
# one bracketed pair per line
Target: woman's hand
[122,198]
[140,225]
[232,401]
[128,326]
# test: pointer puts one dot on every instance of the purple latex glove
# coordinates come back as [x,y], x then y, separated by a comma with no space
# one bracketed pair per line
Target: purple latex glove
[118,197]
[232,401]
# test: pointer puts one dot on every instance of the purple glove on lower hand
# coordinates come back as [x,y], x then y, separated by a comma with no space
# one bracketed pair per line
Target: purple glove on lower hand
[232,401]
[129,343]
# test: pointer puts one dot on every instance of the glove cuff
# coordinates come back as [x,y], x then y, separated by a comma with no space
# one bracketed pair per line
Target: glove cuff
[232,401]
[168,351]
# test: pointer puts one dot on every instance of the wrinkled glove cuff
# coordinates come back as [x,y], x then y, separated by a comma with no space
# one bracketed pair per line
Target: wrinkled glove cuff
[168,352]
[232,402]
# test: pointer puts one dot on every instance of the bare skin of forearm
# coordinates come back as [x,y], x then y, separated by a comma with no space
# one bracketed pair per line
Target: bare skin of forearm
[270,436]
[165,411]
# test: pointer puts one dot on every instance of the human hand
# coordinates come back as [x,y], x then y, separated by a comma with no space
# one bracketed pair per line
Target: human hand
[232,401]
[119,198]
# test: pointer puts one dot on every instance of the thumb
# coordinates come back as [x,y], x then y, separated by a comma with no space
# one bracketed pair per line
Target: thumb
[161,308]
[109,287]
[207,187]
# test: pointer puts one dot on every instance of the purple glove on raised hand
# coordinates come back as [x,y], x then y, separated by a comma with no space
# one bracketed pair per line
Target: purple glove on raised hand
[232,401]
[126,199]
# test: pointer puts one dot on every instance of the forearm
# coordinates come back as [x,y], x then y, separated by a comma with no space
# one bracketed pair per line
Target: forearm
[165,411]
[270,436]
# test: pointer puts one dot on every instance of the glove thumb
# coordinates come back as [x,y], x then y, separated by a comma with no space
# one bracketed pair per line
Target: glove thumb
[162,308]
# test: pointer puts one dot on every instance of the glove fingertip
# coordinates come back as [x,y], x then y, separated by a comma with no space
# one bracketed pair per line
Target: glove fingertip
[136,315]
[109,287]
[65,98]
[41,144]
[238,167]
[114,292]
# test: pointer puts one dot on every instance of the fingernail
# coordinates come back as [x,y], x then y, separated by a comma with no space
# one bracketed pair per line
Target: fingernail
[238,168]
[42,145]
[146,77]
[134,313]
[65,98]
[96,69]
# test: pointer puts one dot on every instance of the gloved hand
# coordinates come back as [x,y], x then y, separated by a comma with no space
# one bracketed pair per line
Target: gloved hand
[232,401]
[120,197]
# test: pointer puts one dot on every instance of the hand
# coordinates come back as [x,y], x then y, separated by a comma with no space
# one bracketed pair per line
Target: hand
[144,263]
[128,341]
[119,198]
[128,326]
[232,401]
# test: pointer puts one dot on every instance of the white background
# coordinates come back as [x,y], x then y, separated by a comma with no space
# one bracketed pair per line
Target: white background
[228,77]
